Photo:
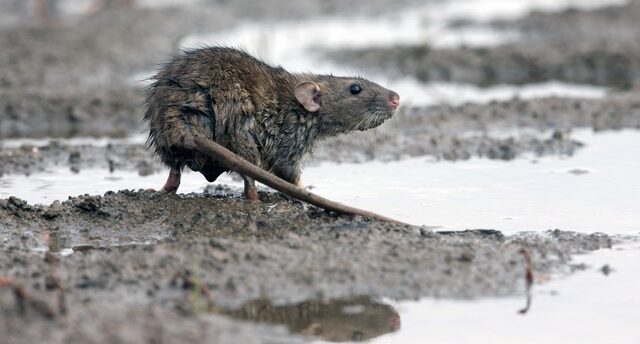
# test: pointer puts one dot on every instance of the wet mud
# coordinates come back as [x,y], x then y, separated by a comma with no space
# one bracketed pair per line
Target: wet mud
[168,256]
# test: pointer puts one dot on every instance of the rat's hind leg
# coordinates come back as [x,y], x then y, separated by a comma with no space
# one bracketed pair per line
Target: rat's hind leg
[173,182]
[250,192]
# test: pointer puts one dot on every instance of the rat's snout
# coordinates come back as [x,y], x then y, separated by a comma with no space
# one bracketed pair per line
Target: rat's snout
[394,100]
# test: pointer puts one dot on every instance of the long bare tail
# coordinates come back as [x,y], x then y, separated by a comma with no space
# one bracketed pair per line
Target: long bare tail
[242,166]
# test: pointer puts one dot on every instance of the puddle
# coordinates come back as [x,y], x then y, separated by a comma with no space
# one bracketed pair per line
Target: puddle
[594,191]
[521,195]
[426,24]
[59,184]
[354,319]
[597,305]
[588,307]
[436,93]
[422,25]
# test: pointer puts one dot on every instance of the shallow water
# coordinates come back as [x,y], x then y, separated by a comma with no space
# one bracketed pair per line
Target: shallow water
[596,190]
[60,183]
[588,307]
[417,93]
[596,305]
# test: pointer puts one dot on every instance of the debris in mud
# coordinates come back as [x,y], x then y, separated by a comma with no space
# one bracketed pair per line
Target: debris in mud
[53,211]
[25,300]
[578,171]
[483,233]
[528,277]
[606,270]
[89,203]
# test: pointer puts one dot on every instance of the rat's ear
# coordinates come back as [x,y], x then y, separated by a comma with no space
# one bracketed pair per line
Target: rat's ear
[309,95]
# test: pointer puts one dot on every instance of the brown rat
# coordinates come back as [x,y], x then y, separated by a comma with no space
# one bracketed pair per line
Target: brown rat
[264,114]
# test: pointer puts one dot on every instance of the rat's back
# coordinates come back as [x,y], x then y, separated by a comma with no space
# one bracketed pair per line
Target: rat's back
[213,92]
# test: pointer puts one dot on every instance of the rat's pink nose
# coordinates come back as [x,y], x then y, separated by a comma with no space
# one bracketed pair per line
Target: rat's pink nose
[394,100]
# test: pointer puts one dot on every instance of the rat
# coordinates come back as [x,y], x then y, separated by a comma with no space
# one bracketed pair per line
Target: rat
[266,115]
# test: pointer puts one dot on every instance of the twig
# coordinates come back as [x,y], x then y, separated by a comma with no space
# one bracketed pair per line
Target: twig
[242,166]
[528,279]
[24,298]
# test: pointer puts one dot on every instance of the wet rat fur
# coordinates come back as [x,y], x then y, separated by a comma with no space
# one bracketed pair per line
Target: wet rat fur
[264,114]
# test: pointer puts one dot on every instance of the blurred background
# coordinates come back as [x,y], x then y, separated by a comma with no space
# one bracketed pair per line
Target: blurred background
[434,52]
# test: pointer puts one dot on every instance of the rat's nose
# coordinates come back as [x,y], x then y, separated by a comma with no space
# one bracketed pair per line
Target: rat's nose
[394,100]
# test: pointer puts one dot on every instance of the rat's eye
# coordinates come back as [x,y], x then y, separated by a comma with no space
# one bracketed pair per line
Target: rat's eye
[355,89]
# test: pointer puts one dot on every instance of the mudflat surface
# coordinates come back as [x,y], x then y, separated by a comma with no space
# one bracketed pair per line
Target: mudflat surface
[187,257]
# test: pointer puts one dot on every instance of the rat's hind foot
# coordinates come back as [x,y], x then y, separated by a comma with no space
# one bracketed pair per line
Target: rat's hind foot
[173,182]
[250,192]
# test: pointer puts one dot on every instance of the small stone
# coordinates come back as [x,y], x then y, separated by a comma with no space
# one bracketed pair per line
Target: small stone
[578,171]
[74,157]
[90,203]
[144,169]
[54,211]
[606,269]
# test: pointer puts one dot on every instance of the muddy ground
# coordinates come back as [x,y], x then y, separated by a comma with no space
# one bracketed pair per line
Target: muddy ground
[191,256]
[155,267]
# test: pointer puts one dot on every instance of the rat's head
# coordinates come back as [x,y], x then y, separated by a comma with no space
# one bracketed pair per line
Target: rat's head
[346,104]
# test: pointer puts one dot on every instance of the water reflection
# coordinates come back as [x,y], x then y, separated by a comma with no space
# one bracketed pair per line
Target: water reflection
[354,319]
